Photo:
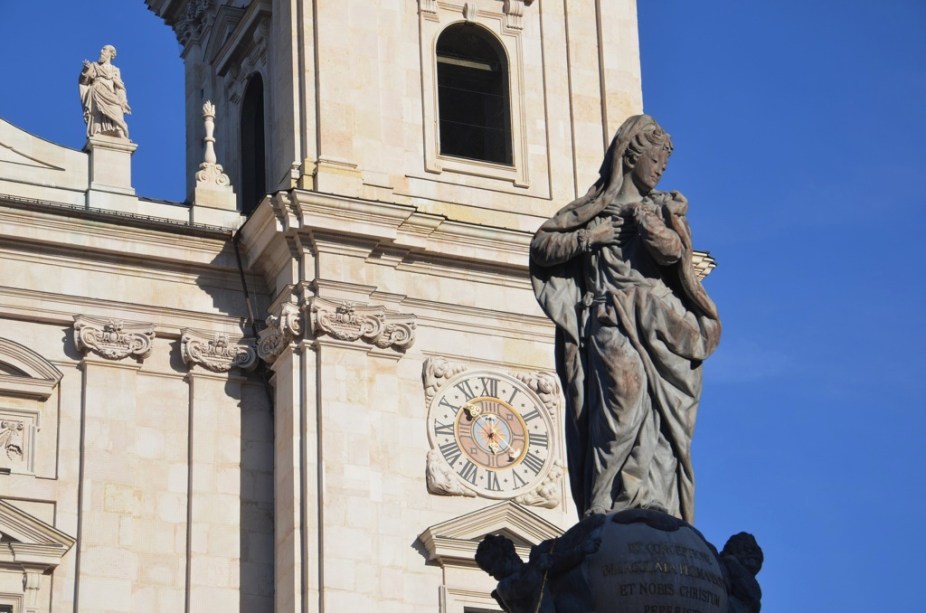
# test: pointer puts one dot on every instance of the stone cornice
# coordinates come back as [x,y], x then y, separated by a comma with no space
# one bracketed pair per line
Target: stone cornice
[113,339]
[454,542]
[215,352]
[33,544]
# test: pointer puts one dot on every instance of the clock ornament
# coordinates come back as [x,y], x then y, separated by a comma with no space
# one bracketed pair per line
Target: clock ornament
[491,434]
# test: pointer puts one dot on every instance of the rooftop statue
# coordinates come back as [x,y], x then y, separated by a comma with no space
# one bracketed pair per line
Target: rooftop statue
[613,270]
[102,94]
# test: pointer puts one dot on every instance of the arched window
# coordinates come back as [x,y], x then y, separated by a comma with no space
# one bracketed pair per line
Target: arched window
[253,171]
[472,95]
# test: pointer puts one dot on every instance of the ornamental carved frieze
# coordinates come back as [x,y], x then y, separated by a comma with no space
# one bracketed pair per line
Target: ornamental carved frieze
[347,321]
[284,324]
[216,353]
[113,339]
[195,22]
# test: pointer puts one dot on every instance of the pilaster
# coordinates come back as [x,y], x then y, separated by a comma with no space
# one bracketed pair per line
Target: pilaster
[111,495]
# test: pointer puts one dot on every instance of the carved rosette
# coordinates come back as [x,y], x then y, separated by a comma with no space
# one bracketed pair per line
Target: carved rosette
[347,321]
[283,326]
[113,339]
[216,353]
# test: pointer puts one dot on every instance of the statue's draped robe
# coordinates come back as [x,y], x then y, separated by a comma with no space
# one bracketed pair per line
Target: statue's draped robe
[102,94]
[633,326]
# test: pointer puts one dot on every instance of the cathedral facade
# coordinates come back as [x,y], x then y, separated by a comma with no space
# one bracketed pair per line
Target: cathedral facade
[319,382]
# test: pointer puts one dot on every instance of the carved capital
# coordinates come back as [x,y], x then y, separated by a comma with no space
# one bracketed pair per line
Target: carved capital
[347,321]
[113,339]
[216,352]
[284,325]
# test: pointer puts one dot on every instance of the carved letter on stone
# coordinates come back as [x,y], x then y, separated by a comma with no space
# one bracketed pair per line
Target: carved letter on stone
[216,353]
[113,339]
[350,322]
[282,327]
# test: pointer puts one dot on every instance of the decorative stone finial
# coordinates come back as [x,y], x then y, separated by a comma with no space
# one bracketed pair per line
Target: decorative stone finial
[210,172]
[213,188]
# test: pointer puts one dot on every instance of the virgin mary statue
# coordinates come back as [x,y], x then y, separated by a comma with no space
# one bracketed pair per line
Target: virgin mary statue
[613,270]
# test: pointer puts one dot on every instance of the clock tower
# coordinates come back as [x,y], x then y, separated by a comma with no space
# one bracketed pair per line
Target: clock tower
[392,161]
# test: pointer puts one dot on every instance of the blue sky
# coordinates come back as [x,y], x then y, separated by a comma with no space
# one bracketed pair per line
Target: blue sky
[799,131]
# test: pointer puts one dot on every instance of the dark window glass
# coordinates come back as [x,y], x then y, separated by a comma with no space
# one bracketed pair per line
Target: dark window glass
[253,173]
[472,95]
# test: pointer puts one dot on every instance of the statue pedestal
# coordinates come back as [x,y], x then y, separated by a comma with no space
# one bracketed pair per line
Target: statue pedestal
[635,560]
[111,173]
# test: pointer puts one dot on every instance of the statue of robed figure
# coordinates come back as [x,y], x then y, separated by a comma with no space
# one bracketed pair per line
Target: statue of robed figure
[103,97]
[613,270]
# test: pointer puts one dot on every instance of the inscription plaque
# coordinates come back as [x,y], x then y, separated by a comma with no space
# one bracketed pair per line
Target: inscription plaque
[643,569]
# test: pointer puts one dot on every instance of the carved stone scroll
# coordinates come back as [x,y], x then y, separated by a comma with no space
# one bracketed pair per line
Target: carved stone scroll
[195,22]
[547,494]
[347,321]
[435,373]
[283,325]
[514,14]
[544,385]
[113,339]
[440,478]
[216,352]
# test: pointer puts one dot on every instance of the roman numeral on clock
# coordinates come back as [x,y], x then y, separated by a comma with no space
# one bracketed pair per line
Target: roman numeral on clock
[493,483]
[469,472]
[489,386]
[467,389]
[440,428]
[531,415]
[533,462]
[540,440]
[451,452]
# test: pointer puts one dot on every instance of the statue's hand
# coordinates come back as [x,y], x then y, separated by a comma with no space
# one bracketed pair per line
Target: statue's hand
[610,232]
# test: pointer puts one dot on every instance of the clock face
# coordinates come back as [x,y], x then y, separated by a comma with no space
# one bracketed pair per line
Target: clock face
[493,431]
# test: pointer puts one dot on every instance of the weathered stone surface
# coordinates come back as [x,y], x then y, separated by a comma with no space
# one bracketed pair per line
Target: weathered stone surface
[614,270]
[639,560]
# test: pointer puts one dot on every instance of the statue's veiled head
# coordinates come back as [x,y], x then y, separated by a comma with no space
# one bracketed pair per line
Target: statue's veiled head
[640,149]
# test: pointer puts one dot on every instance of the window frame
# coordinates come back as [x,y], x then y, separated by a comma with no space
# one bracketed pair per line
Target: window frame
[433,24]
